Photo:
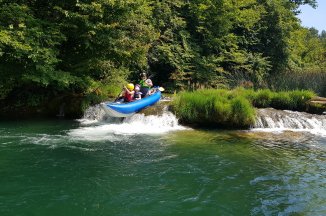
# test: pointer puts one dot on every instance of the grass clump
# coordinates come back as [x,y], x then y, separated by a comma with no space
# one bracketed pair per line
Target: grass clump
[234,108]
[282,100]
[300,98]
[195,107]
[222,111]
[214,107]
[291,100]
[263,98]
[242,112]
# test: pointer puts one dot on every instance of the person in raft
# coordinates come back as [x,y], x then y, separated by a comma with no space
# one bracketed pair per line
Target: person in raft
[137,94]
[127,95]
[145,84]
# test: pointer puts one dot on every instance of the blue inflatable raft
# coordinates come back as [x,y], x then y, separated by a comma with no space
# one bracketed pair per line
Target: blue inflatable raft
[128,109]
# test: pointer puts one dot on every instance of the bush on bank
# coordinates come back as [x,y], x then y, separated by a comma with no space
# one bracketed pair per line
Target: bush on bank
[234,108]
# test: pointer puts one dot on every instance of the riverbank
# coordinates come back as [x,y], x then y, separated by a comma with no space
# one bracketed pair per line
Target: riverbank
[204,108]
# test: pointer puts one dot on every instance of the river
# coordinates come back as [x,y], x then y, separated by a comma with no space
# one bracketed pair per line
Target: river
[154,166]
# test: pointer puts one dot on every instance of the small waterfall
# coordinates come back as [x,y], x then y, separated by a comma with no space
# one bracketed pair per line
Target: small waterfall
[277,120]
[97,125]
[96,113]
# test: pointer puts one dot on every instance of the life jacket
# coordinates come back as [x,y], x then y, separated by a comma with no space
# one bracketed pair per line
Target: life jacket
[127,97]
[137,95]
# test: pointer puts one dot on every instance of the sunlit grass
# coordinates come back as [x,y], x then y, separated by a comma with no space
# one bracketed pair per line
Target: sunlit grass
[234,108]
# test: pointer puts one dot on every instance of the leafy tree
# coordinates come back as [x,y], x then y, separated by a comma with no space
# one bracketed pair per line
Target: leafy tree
[228,32]
[323,34]
[104,37]
[56,48]
[49,49]
[172,54]
[307,51]
[29,50]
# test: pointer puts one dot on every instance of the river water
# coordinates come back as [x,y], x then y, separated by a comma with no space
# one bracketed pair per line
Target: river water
[153,166]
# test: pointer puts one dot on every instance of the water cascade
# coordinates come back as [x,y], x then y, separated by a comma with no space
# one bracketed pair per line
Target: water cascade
[280,120]
[158,119]
[153,120]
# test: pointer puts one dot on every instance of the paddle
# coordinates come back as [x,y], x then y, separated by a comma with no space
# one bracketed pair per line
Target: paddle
[156,88]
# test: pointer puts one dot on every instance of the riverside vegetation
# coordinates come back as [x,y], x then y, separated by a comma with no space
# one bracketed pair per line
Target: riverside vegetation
[70,54]
[235,108]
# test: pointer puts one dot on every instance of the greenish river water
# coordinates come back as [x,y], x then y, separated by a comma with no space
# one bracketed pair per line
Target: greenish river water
[65,168]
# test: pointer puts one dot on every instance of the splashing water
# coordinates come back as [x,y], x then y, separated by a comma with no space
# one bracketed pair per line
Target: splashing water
[46,171]
[95,125]
[277,121]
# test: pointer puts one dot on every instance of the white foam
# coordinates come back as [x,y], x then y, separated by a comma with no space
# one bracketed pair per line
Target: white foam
[151,124]
[278,121]
[136,124]
[87,121]
[94,133]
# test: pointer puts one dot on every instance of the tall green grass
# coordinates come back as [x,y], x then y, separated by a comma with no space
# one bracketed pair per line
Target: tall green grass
[214,107]
[290,100]
[234,108]
[311,80]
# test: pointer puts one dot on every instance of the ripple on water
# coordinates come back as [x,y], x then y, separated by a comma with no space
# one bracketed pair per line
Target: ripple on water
[292,191]
[181,173]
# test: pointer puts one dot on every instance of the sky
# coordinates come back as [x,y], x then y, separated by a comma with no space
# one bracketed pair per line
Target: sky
[314,17]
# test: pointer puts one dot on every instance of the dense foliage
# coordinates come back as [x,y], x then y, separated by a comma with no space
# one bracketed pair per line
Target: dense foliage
[235,108]
[80,48]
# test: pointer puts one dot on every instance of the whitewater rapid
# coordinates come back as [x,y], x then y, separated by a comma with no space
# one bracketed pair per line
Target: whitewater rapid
[272,120]
[95,125]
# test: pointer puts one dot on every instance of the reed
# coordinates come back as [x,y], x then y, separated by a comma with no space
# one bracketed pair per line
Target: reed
[310,80]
